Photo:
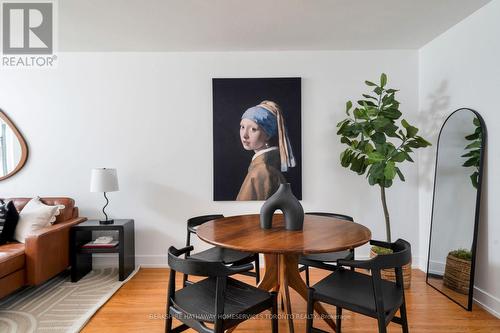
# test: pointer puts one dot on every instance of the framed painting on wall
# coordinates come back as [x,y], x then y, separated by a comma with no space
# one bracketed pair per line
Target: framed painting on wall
[256,137]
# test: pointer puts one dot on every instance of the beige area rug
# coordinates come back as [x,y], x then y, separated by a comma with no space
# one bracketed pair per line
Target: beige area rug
[59,305]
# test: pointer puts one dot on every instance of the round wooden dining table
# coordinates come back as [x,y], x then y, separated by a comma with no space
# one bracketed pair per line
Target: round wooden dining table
[282,248]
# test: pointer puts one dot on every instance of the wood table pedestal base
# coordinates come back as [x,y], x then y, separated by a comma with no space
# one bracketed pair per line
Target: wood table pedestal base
[282,273]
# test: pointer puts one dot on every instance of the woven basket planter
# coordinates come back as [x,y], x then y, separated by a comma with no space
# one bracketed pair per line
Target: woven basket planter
[457,274]
[390,274]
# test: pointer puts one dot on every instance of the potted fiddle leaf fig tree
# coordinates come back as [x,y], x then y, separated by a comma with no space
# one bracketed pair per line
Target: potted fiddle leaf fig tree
[378,140]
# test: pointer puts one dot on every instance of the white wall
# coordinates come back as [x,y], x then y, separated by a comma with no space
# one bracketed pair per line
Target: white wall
[150,116]
[461,69]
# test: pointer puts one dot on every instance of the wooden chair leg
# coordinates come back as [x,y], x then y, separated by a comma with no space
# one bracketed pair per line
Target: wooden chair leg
[404,318]
[307,275]
[310,311]
[338,319]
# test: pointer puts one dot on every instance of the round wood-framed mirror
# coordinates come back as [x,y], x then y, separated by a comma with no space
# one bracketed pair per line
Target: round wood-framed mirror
[13,148]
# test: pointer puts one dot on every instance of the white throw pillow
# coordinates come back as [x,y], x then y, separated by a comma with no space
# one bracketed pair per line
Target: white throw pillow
[35,216]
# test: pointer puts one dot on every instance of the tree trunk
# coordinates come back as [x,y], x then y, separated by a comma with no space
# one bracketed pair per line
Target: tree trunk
[386,215]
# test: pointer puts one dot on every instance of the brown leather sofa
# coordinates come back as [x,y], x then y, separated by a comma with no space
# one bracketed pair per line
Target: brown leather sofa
[45,252]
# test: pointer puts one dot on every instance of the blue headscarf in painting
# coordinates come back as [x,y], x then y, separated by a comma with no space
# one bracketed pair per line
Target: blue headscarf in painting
[264,118]
[269,117]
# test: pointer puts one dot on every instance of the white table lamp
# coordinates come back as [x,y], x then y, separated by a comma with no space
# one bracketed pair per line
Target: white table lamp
[104,180]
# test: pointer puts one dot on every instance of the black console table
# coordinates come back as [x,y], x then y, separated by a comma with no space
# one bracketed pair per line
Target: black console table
[81,258]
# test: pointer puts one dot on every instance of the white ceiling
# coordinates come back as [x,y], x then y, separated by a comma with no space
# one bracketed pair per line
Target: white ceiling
[237,25]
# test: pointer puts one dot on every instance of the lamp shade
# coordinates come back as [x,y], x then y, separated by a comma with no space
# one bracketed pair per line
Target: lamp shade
[103,180]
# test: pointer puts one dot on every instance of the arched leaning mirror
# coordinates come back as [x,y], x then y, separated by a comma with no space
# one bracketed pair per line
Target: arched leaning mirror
[456,205]
[13,148]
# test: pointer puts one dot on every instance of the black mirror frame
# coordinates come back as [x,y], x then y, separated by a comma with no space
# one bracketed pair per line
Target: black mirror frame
[477,210]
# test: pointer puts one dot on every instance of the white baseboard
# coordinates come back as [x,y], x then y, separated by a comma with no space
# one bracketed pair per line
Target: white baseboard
[487,301]
[436,267]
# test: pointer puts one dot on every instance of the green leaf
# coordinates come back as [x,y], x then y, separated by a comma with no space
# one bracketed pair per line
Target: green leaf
[408,157]
[399,157]
[357,164]
[391,113]
[387,100]
[386,183]
[470,162]
[368,96]
[390,149]
[378,137]
[383,80]
[472,153]
[378,90]
[345,140]
[382,148]
[475,179]
[400,174]
[390,170]
[371,111]
[391,91]
[418,142]
[345,158]
[371,180]
[348,107]
[343,126]
[371,84]
[405,123]
[472,136]
[375,157]
[377,170]
[475,144]
[476,122]
[380,123]
[391,129]
[422,142]
[411,131]
[366,103]
[340,123]
[367,148]
[359,113]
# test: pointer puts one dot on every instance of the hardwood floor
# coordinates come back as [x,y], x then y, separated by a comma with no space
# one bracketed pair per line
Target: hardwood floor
[139,306]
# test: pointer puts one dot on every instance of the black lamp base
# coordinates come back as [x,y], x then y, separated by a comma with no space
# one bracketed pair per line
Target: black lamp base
[106,221]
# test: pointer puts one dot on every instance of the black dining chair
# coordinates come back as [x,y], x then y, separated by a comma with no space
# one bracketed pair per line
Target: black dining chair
[227,256]
[325,260]
[219,299]
[362,293]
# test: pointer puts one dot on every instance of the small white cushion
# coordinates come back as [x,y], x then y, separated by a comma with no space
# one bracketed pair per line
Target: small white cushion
[35,216]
